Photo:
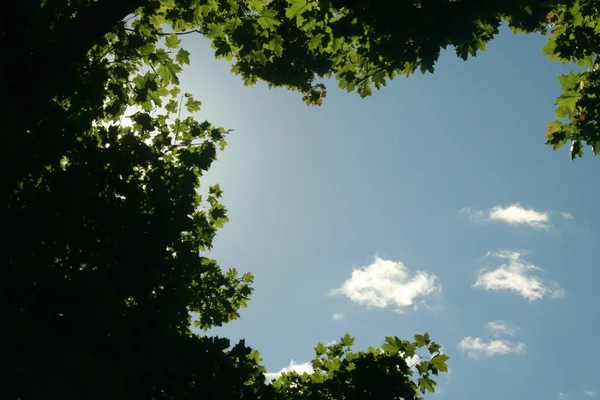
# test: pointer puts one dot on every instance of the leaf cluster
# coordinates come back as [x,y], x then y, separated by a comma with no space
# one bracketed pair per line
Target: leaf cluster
[378,373]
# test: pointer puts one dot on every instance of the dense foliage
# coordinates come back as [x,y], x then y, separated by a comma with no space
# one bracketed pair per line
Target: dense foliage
[105,230]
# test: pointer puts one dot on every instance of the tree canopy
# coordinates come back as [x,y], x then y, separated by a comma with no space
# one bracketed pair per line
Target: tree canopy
[106,231]
[105,227]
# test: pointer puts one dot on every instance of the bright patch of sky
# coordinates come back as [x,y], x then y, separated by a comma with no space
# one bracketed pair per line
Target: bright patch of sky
[349,217]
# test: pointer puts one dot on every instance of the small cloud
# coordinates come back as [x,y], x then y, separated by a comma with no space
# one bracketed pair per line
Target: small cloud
[516,275]
[561,396]
[387,283]
[591,393]
[566,215]
[501,328]
[472,214]
[477,349]
[514,214]
[338,316]
[299,368]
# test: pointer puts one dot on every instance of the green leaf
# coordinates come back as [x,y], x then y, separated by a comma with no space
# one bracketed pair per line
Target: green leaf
[222,49]
[570,80]
[172,106]
[426,384]
[215,30]
[260,56]
[422,340]
[439,362]
[390,345]
[309,25]
[183,57]
[347,340]
[275,45]
[168,72]
[192,105]
[215,190]
[550,49]
[315,42]
[268,19]
[172,41]
[568,100]
[155,97]
[156,21]
[575,12]
[248,277]
[257,5]
[379,79]
[297,7]
[562,112]
[320,349]
[433,348]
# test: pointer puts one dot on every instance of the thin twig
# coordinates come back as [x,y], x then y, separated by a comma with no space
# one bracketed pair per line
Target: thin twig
[178,117]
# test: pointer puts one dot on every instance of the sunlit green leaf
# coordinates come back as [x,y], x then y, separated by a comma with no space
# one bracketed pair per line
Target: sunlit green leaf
[172,41]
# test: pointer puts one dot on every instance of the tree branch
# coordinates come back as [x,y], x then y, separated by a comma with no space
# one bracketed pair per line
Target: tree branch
[158,33]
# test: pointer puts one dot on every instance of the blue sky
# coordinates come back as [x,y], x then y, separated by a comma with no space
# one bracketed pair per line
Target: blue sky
[376,187]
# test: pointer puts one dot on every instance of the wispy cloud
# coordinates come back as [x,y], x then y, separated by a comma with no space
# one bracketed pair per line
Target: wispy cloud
[387,283]
[566,215]
[514,214]
[478,349]
[518,276]
[299,368]
[501,328]
[561,396]
[473,214]
[591,393]
[338,316]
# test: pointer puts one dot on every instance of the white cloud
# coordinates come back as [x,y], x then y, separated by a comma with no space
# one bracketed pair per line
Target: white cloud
[590,393]
[338,316]
[387,283]
[501,328]
[478,349]
[514,214]
[299,368]
[516,275]
[561,396]
[566,215]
